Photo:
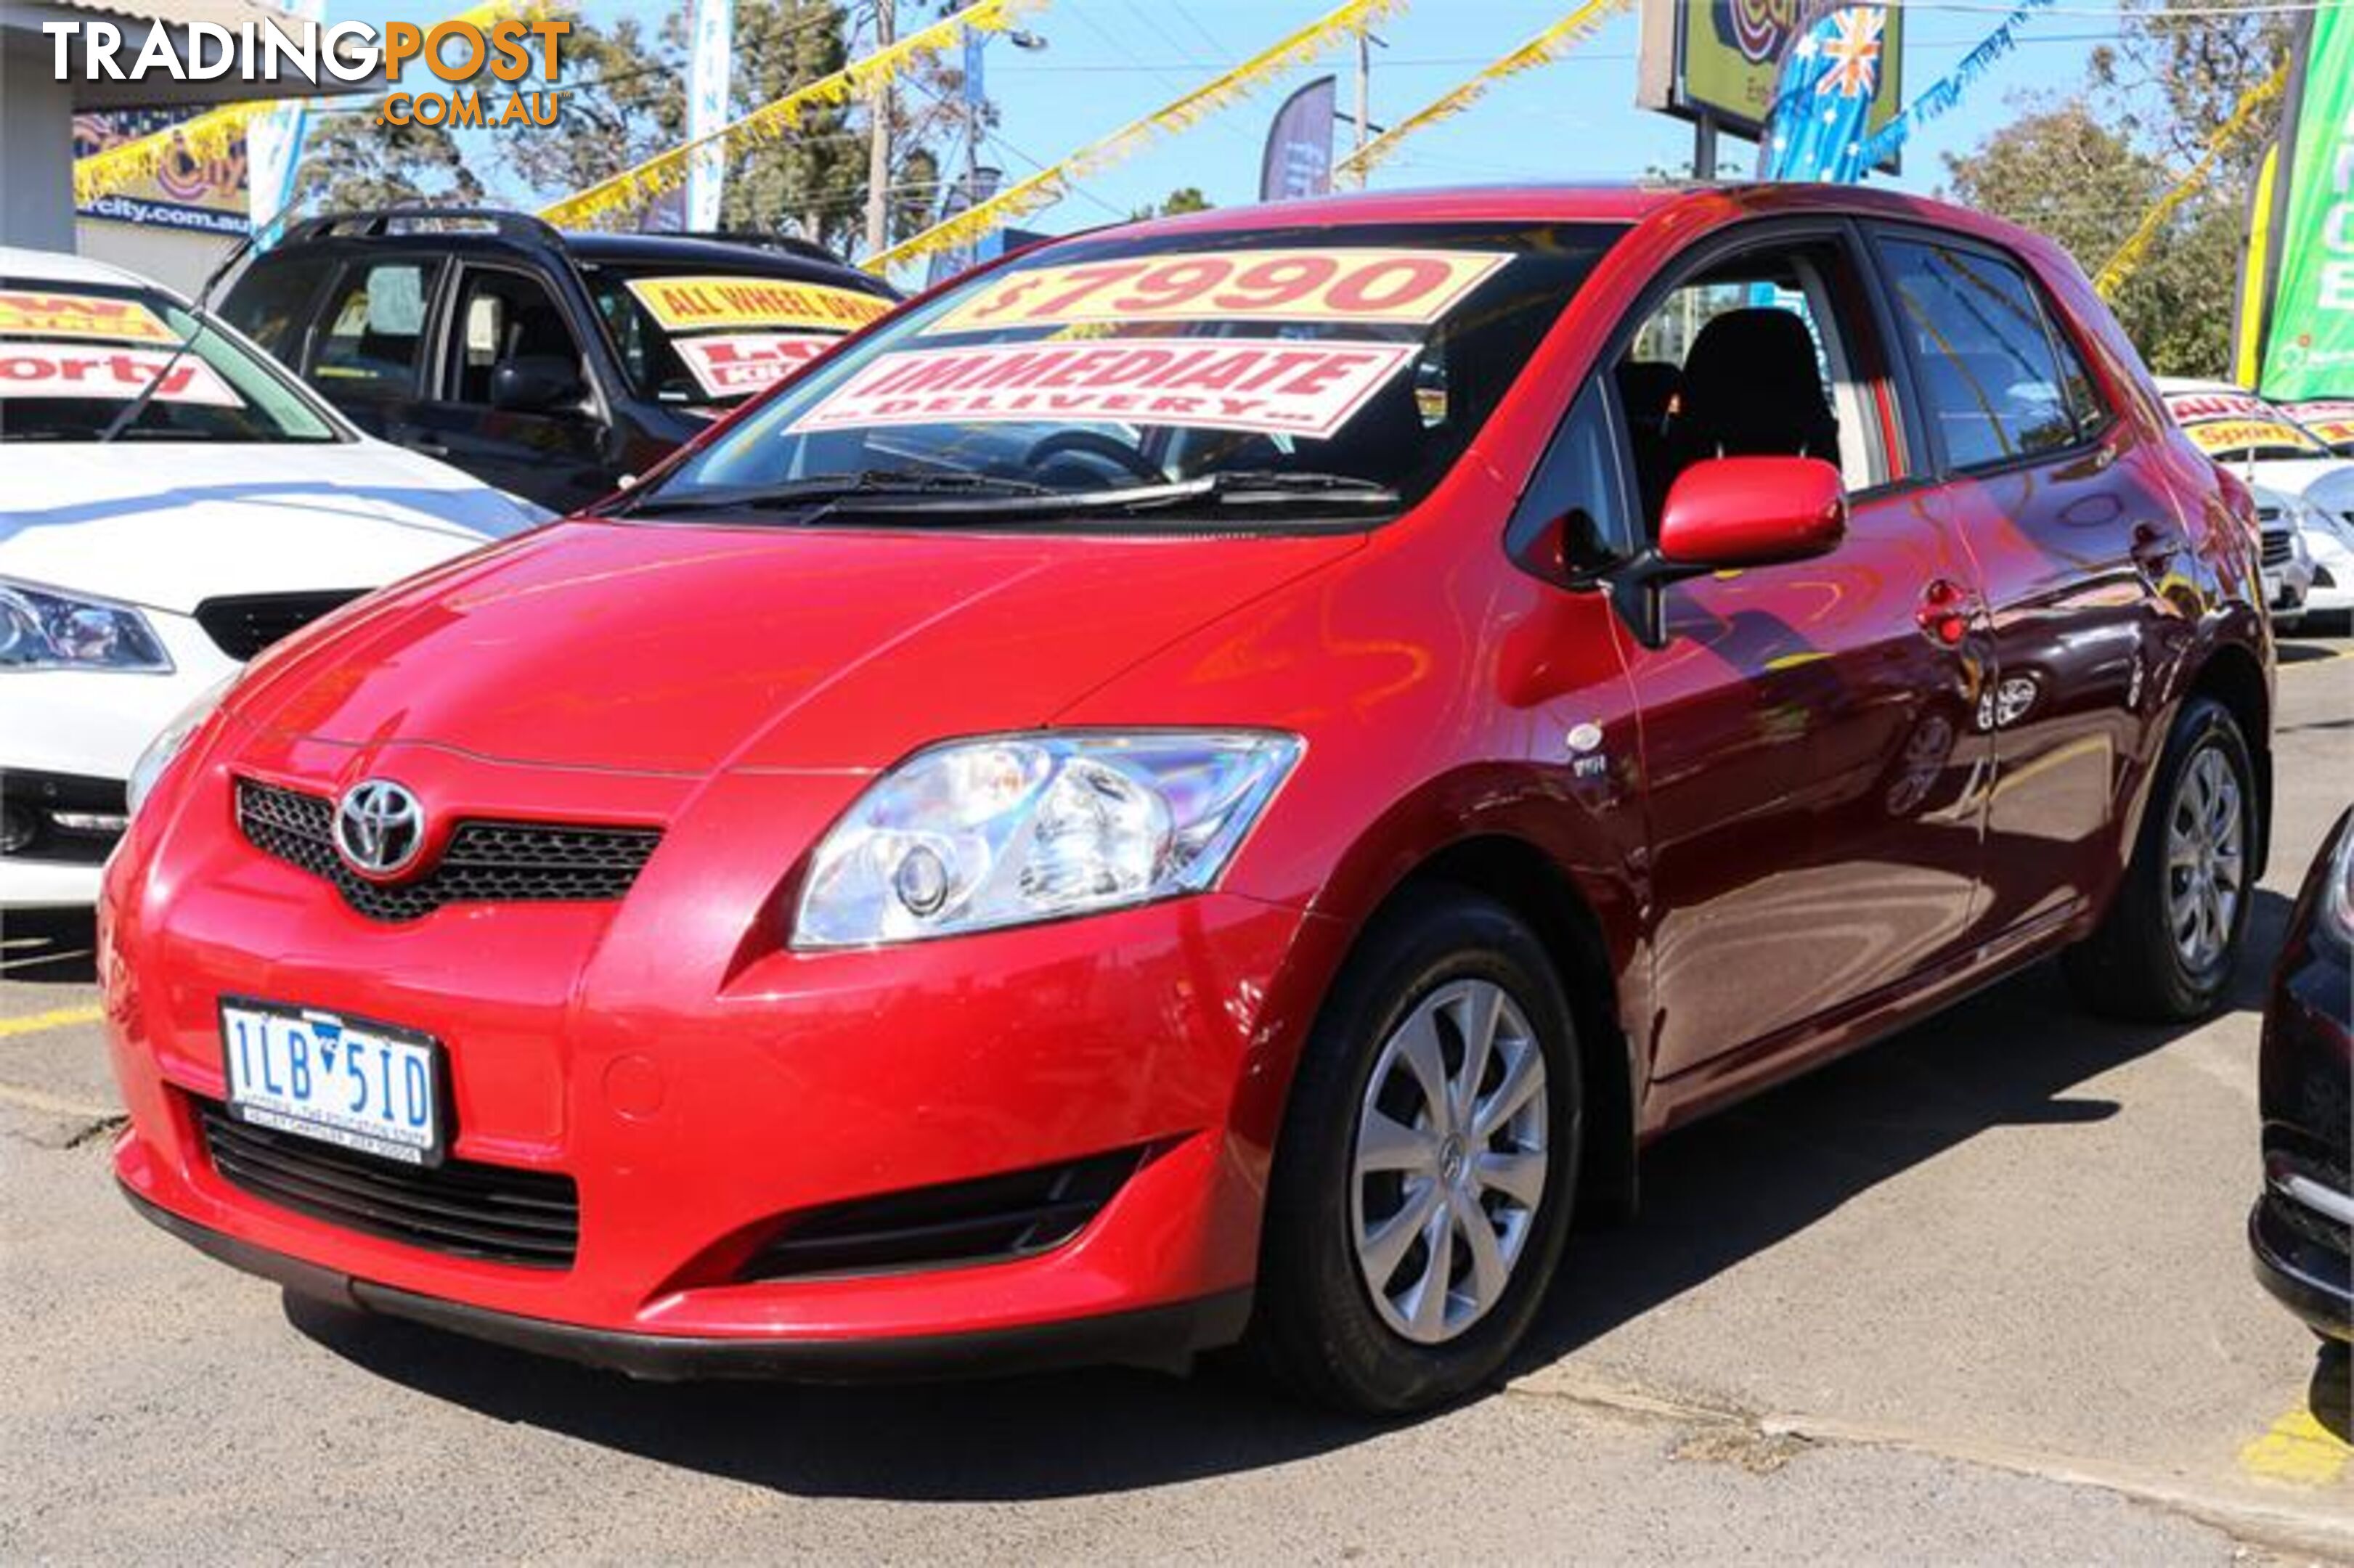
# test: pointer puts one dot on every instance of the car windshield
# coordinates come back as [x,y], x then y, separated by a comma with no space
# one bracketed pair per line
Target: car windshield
[712,339]
[2329,420]
[74,356]
[2239,427]
[1267,373]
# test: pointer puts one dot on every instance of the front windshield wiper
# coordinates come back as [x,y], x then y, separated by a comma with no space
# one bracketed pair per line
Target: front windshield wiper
[899,487]
[1237,487]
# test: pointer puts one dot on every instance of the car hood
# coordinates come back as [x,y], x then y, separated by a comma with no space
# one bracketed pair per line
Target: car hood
[170,527]
[2292,476]
[680,649]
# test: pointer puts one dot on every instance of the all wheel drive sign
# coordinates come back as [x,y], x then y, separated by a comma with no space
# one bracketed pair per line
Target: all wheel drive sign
[1303,388]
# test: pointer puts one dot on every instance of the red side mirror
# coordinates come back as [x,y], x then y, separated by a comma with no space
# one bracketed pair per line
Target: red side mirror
[1753,512]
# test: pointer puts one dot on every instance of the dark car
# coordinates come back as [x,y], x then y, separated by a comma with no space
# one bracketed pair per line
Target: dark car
[2302,1229]
[550,365]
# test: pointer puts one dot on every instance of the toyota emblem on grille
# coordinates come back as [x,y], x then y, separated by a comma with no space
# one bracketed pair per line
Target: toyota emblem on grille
[379,827]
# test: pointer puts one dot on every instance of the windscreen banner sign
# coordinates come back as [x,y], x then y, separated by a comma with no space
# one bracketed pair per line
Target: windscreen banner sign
[1360,287]
[721,303]
[43,313]
[35,369]
[2331,418]
[735,365]
[1306,388]
[2233,422]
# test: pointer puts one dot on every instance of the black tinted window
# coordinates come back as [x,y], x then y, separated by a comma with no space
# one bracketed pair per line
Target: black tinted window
[1574,517]
[371,338]
[270,302]
[1998,383]
[508,317]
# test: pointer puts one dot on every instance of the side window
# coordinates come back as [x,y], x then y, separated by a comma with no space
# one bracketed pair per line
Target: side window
[508,316]
[270,304]
[371,338]
[1998,383]
[1753,357]
[1581,486]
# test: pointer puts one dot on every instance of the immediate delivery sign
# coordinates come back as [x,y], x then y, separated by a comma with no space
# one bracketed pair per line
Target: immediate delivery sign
[1303,388]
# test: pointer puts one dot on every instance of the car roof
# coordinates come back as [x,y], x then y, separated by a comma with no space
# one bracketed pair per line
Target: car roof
[1628,202]
[58,267]
[479,231]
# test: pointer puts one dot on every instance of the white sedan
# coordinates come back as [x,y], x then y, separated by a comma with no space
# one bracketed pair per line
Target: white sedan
[153,540]
[2311,486]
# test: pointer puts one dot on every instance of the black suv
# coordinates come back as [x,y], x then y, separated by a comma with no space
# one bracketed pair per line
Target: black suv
[548,364]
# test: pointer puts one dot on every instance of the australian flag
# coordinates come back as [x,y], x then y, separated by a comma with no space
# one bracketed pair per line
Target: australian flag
[1823,102]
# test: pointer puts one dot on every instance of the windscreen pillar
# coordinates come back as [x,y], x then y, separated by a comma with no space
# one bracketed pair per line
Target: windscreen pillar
[36,111]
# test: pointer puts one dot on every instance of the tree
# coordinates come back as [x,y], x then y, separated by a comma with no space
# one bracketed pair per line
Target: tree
[1184,200]
[2086,169]
[2062,173]
[351,160]
[624,101]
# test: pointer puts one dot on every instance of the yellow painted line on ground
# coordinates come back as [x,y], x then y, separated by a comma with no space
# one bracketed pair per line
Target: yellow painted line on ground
[2298,1450]
[56,1018]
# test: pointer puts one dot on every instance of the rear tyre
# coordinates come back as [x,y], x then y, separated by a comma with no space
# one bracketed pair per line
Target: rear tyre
[1423,1185]
[2167,948]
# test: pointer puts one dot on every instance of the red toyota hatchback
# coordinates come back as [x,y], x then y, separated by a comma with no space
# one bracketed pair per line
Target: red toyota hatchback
[1214,780]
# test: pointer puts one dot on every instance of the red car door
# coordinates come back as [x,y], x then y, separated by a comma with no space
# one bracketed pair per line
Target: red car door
[1807,747]
[2065,508]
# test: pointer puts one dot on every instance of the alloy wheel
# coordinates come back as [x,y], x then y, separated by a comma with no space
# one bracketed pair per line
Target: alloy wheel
[2205,859]
[1450,1160]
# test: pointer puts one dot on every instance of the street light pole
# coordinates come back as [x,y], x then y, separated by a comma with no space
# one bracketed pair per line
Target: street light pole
[878,145]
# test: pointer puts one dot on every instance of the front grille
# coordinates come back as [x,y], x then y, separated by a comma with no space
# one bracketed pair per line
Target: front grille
[993,1219]
[528,1218]
[242,625]
[484,862]
[2277,547]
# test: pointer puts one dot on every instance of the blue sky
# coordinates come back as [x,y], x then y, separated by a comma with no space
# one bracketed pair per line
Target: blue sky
[1110,60]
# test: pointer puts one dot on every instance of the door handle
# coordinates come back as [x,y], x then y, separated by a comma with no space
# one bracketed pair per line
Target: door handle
[2153,547]
[430,448]
[1945,612]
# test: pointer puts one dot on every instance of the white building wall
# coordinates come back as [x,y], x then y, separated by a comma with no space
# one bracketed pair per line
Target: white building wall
[35,145]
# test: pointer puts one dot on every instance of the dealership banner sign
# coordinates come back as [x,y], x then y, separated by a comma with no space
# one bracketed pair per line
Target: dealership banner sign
[1402,288]
[732,365]
[2233,422]
[1721,60]
[2331,418]
[2307,332]
[720,303]
[1269,386]
[30,312]
[33,370]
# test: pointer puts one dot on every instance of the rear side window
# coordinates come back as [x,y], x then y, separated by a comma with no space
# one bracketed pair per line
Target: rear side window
[270,304]
[1999,383]
[372,336]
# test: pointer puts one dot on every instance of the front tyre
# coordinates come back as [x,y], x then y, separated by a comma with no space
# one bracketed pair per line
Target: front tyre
[2166,950]
[1422,1190]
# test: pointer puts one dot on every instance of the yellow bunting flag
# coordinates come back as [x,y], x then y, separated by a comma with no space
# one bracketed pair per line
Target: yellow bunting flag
[1050,185]
[2128,258]
[1543,49]
[636,186]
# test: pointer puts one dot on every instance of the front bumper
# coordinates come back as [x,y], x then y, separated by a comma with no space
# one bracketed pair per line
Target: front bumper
[1156,1337]
[2303,1272]
[707,1090]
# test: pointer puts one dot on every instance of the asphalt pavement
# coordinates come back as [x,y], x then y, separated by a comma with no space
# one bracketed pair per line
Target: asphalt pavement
[1978,1293]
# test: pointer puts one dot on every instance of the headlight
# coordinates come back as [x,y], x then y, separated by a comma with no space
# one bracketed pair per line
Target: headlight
[41,629]
[168,743]
[2338,891]
[979,834]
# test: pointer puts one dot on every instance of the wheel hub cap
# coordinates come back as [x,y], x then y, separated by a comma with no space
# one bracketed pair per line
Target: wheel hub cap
[2206,833]
[1450,1160]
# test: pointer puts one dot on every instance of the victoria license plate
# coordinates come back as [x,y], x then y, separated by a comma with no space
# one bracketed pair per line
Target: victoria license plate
[352,1082]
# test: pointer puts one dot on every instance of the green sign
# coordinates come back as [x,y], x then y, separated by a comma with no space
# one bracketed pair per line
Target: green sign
[2309,331]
